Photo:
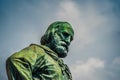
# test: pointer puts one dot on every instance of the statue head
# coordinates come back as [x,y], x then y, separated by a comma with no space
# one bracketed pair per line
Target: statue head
[58,37]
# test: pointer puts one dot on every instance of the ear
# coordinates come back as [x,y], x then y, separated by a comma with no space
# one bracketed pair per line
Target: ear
[43,40]
[49,37]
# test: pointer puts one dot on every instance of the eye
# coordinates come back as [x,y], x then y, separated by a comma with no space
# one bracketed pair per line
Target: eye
[65,34]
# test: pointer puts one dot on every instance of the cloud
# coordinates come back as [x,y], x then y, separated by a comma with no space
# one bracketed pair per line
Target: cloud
[116,61]
[69,11]
[88,20]
[94,24]
[111,70]
[96,69]
[86,69]
[116,64]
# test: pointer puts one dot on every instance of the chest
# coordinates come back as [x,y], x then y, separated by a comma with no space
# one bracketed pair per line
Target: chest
[46,68]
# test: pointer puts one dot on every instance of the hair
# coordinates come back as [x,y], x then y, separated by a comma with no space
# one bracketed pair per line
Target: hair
[45,39]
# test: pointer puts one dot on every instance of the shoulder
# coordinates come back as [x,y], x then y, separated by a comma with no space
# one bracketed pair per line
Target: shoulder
[29,55]
[37,49]
[32,51]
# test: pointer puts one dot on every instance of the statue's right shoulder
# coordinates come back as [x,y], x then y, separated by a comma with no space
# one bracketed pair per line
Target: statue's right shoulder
[37,49]
[30,51]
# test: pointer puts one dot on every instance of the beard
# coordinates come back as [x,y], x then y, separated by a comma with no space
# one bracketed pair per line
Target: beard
[59,47]
[61,51]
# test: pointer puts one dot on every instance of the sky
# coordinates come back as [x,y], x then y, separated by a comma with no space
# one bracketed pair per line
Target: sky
[94,53]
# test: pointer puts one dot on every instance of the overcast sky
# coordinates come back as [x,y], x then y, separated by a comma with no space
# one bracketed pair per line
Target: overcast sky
[95,51]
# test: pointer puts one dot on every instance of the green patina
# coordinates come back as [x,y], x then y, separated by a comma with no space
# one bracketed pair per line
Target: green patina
[43,62]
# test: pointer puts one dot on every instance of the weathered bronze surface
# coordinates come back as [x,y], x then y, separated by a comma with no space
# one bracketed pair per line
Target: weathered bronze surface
[43,62]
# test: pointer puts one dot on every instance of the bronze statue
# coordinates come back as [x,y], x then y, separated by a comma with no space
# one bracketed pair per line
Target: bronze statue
[43,62]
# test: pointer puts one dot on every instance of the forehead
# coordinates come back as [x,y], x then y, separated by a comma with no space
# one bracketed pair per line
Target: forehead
[66,28]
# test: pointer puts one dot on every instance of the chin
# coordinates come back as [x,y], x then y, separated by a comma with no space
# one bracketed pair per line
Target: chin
[62,53]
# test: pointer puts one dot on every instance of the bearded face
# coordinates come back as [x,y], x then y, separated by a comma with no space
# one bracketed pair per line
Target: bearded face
[58,37]
[60,41]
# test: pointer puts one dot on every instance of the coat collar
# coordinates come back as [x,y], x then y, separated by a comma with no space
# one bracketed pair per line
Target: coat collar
[47,50]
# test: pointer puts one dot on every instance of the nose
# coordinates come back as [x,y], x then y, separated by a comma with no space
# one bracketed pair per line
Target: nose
[67,40]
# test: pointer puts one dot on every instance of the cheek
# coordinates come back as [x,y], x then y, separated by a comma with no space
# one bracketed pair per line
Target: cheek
[56,39]
[55,42]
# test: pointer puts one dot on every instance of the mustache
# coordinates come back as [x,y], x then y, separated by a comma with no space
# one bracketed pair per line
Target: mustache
[64,44]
